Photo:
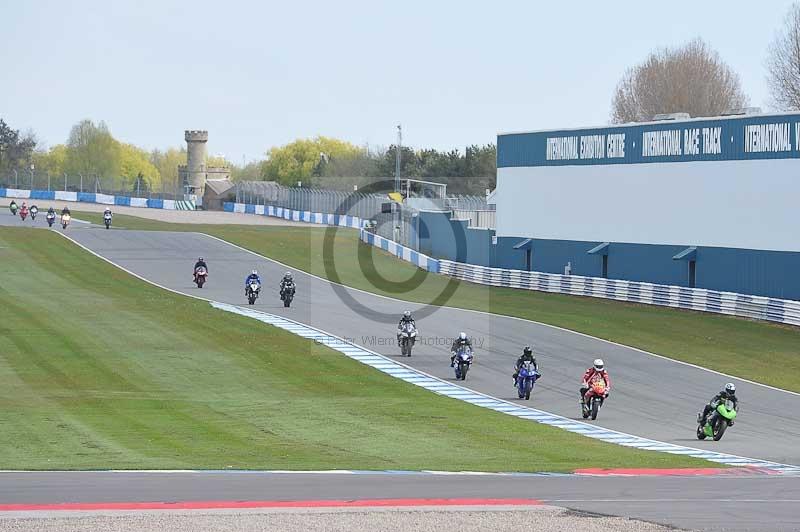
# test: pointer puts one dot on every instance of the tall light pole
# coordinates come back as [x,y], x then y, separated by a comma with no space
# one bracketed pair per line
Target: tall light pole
[398,151]
[32,169]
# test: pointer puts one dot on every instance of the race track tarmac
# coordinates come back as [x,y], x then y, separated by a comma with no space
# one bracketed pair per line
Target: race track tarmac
[730,504]
[766,428]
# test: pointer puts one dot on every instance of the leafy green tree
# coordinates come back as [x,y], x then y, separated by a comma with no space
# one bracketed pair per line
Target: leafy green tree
[16,150]
[136,168]
[304,158]
[93,151]
[51,161]
[166,162]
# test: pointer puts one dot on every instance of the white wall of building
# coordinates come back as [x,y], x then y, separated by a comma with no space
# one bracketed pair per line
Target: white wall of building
[751,204]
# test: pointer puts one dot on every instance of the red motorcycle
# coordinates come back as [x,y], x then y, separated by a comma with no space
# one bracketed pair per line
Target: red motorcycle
[200,276]
[23,212]
[594,397]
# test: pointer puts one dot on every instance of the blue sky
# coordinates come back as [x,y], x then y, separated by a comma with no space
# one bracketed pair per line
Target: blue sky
[258,74]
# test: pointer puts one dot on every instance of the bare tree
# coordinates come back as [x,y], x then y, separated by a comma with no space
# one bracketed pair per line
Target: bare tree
[783,63]
[690,79]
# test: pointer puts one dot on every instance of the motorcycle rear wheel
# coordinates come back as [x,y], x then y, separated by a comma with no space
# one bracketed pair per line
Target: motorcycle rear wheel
[701,434]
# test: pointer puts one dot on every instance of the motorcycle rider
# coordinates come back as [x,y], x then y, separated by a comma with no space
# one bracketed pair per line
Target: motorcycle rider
[107,212]
[527,356]
[727,393]
[406,318]
[51,211]
[24,209]
[199,264]
[461,341]
[13,206]
[598,368]
[65,210]
[286,281]
[34,210]
[252,277]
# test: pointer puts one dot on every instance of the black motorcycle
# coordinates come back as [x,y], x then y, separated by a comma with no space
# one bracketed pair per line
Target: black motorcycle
[287,294]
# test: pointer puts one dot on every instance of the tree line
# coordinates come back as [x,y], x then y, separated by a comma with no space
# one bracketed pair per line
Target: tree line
[94,154]
[333,163]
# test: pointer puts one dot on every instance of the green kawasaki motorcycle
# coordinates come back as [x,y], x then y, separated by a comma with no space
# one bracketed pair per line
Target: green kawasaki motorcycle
[717,421]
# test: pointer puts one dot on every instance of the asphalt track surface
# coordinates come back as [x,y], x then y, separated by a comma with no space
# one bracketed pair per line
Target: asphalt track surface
[651,396]
[767,429]
[731,504]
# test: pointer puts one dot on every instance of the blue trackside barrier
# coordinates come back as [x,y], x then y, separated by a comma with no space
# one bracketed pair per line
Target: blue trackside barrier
[407,254]
[87,197]
[43,195]
[341,220]
[698,299]
[91,197]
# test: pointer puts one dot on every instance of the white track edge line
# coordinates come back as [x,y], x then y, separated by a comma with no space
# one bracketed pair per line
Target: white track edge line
[344,342]
[585,335]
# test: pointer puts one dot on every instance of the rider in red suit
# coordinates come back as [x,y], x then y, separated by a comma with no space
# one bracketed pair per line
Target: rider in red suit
[598,368]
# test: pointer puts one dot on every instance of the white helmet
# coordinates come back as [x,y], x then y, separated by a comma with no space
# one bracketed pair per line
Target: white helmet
[598,364]
[730,388]
[462,336]
[255,272]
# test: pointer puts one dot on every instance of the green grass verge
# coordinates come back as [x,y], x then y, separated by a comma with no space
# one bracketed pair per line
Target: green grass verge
[102,370]
[760,351]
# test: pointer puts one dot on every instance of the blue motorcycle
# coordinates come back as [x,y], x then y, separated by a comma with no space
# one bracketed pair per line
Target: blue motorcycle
[526,379]
[462,362]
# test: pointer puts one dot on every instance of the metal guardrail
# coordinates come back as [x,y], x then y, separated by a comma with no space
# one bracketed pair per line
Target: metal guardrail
[699,299]
[42,181]
[91,197]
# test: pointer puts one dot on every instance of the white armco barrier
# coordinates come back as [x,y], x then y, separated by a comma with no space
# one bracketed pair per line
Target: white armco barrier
[91,197]
[401,252]
[744,306]
[342,220]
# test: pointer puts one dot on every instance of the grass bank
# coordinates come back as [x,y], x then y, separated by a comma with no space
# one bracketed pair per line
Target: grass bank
[764,352]
[101,370]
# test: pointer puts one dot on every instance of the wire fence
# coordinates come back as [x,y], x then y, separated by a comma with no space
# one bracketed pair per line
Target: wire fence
[397,222]
[365,205]
[119,186]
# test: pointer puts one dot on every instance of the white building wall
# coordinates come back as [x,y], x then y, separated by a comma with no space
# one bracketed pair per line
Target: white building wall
[751,204]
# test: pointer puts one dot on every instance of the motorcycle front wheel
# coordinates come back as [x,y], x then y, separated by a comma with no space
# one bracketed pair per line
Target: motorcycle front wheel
[719,428]
[595,408]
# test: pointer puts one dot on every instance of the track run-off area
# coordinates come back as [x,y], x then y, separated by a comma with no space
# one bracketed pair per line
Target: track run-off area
[652,397]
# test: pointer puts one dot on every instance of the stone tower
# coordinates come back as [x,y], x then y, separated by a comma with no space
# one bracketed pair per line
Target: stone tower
[196,153]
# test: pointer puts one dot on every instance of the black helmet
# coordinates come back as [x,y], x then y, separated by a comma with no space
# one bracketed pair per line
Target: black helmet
[527,350]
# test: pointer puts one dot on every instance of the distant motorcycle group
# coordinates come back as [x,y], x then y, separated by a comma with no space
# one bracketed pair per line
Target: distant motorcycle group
[718,415]
[252,284]
[66,216]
